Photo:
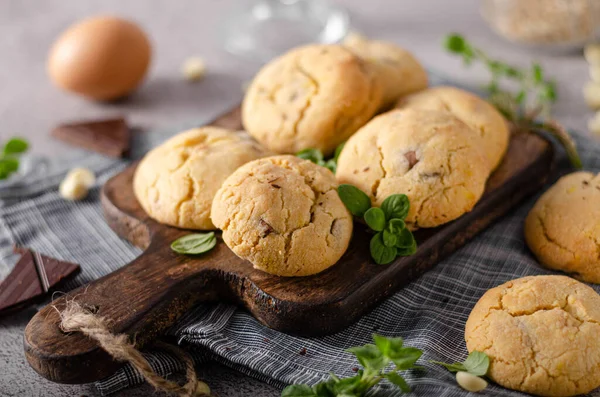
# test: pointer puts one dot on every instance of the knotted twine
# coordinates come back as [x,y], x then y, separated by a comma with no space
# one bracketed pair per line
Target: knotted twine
[75,318]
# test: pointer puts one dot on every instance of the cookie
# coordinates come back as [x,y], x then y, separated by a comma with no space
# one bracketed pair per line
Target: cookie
[563,228]
[432,157]
[314,96]
[541,334]
[474,111]
[175,183]
[398,70]
[283,214]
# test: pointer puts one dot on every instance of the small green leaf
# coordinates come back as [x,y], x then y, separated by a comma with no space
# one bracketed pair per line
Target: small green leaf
[338,151]
[354,199]
[369,356]
[396,225]
[520,98]
[347,386]
[375,218]
[405,239]
[398,381]
[10,164]
[324,389]
[389,239]
[477,363]
[15,146]
[331,165]
[298,391]
[406,357]
[454,367]
[380,253]
[537,73]
[194,244]
[396,206]
[314,155]
[387,345]
[455,43]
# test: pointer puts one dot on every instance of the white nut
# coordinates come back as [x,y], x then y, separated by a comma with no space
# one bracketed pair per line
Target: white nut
[194,69]
[594,124]
[470,382]
[202,389]
[591,94]
[591,52]
[83,175]
[72,189]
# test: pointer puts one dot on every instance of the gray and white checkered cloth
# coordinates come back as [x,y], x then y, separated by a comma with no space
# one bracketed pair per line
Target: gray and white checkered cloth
[429,313]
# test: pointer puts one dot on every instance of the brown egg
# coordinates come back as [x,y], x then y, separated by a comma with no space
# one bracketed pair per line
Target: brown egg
[102,58]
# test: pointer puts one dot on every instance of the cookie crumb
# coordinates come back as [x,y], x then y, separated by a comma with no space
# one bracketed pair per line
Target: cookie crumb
[194,69]
[303,351]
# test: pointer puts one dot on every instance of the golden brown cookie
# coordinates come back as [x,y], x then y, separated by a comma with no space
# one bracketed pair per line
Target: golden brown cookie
[398,70]
[563,228]
[284,215]
[474,111]
[541,334]
[175,183]
[432,157]
[314,96]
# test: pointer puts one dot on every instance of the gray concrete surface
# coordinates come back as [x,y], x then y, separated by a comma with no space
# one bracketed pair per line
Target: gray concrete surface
[30,106]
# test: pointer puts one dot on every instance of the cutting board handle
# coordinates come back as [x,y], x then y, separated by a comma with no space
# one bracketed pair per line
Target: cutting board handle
[141,300]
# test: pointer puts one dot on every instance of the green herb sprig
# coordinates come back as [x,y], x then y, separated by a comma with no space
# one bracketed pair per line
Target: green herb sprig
[317,157]
[392,238]
[374,358]
[9,159]
[194,244]
[529,108]
[477,363]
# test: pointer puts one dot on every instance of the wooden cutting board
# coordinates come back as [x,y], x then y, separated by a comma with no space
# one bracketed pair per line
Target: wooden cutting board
[145,297]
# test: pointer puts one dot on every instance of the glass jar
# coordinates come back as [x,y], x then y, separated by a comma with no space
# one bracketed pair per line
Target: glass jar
[546,24]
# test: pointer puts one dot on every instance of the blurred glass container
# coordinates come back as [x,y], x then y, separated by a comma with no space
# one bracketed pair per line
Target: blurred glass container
[266,28]
[556,25]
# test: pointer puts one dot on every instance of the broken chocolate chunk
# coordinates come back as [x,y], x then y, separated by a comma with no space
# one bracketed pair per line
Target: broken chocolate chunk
[33,276]
[110,137]
[411,157]
[264,228]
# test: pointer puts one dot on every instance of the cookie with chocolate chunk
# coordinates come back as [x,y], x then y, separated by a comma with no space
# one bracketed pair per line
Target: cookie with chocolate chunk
[432,157]
[283,214]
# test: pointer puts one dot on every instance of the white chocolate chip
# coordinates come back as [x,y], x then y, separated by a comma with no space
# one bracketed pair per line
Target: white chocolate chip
[72,189]
[591,52]
[591,94]
[202,389]
[194,69]
[595,73]
[470,382]
[83,175]
[594,124]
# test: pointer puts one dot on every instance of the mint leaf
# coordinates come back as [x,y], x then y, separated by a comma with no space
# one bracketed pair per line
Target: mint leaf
[298,391]
[389,239]
[346,386]
[405,239]
[398,381]
[369,356]
[9,164]
[477,363]
[388,346]
[314,155]
[405,358]
[194,244]
[454,367]
[396,226]
[375,218]
[331,165]
[380,252]
[15,146]
[338,150]
[354,199]
[396,206]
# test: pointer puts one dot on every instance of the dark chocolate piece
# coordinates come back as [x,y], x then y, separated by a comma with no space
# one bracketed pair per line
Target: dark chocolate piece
[32,277]
[110,137]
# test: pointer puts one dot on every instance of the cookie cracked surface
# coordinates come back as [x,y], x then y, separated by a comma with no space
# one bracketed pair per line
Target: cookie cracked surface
[472,110]
[283,214]
[563,228]
[432,157]
[175,183]
[314,96]
[541,334]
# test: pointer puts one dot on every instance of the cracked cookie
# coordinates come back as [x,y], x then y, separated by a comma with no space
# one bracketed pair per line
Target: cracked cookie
[563,228]
[398,70]
[472,110]
[431,156]
[314,96]
[283,214]
[175,183]
[541,334]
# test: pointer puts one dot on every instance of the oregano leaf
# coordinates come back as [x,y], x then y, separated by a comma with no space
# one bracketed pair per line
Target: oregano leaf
[396,206]
[375,218]
[380,252]
[354,199]
[194,244]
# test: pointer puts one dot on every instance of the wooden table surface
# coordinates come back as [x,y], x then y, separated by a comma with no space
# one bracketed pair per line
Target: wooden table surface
[30,106]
